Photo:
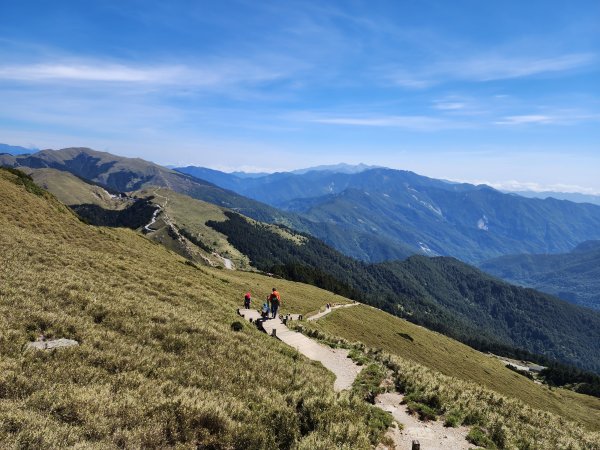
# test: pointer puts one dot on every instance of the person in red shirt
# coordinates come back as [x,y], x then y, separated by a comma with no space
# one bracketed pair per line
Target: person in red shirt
[247,300]
[275,300]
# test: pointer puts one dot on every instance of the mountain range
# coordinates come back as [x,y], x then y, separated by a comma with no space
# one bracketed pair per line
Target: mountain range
[441,293]
[576,197]
[397,213]
[159,363]
[129,174]
[16,150]
[572,276]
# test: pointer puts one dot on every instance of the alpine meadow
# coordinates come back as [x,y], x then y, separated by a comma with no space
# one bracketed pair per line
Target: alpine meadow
[299,225]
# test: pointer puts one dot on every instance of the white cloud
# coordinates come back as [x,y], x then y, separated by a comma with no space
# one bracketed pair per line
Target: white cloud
[214,74]
[499,67]
[526,119]
[449,106]
[419,123]
[485,67]
[516,186]
[81,72]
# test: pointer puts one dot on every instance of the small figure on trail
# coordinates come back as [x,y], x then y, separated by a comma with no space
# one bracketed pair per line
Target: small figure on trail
[265,309]
[247,300]
[275,300]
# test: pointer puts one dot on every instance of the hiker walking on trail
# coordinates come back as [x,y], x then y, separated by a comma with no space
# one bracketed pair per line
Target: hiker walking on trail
[247,300]
[275,300]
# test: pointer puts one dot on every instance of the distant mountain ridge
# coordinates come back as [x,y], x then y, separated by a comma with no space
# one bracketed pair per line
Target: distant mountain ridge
[130,174]
[16,149]
[573,276]
[400,211]
[576,197]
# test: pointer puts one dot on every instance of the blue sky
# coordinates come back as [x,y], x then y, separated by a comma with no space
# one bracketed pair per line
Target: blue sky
[504,92]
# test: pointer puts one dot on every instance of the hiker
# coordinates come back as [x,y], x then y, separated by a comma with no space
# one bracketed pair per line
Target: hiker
[247,300]
[265,309]
[275,302]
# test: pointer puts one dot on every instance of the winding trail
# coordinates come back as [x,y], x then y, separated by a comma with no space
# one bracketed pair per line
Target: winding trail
[330,309]
[335,360]
[153,219]
[431,435]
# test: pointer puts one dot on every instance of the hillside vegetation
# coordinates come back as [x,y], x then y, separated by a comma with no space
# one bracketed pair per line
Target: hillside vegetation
[158,365]
[381,330]
[130,174]
[441,293]
[72,190]
[573,276]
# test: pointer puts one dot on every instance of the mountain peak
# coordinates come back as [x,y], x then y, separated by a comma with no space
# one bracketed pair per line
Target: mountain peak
[337,168]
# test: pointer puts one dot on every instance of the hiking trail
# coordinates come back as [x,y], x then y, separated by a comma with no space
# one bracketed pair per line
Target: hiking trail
[329,310]
[335,360]
[432,435]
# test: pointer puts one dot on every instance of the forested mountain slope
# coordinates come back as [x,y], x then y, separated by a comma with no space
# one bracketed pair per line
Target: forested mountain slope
[440,293]
[573,276]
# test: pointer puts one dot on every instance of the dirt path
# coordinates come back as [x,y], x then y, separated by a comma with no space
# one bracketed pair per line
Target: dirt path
[329,310]
[431,435]
[335,360]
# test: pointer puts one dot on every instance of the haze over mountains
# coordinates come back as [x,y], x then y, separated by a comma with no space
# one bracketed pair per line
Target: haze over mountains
[571,196]
[373,214]
[399,212]
[572,276]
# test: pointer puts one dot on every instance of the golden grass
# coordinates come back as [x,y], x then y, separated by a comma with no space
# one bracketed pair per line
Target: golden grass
[71,190]
[192,215]
[378,329]
[159,365]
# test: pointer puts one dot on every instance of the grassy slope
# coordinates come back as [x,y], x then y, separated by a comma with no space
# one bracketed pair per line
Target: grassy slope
[158,365]
[378,329]
[191,214]
[130,174]
[71,190]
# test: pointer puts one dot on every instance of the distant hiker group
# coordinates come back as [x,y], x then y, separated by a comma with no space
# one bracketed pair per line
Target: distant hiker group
[270,307]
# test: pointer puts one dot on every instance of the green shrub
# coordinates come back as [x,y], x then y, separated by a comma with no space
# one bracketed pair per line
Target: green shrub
[425,412]
[368,381]
[478,437]
[358,357]
[237,326]
[453,419]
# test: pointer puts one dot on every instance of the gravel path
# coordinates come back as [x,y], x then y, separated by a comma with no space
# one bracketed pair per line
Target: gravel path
[329,310]
[431,435]
[335,360]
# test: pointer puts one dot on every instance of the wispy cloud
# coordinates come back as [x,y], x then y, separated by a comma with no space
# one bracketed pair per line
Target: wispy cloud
[500,67]
[516,186]
[552,118]
[485,67]
[417,123]
[219,73]
[449,105]
[90,72]
[526,119]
